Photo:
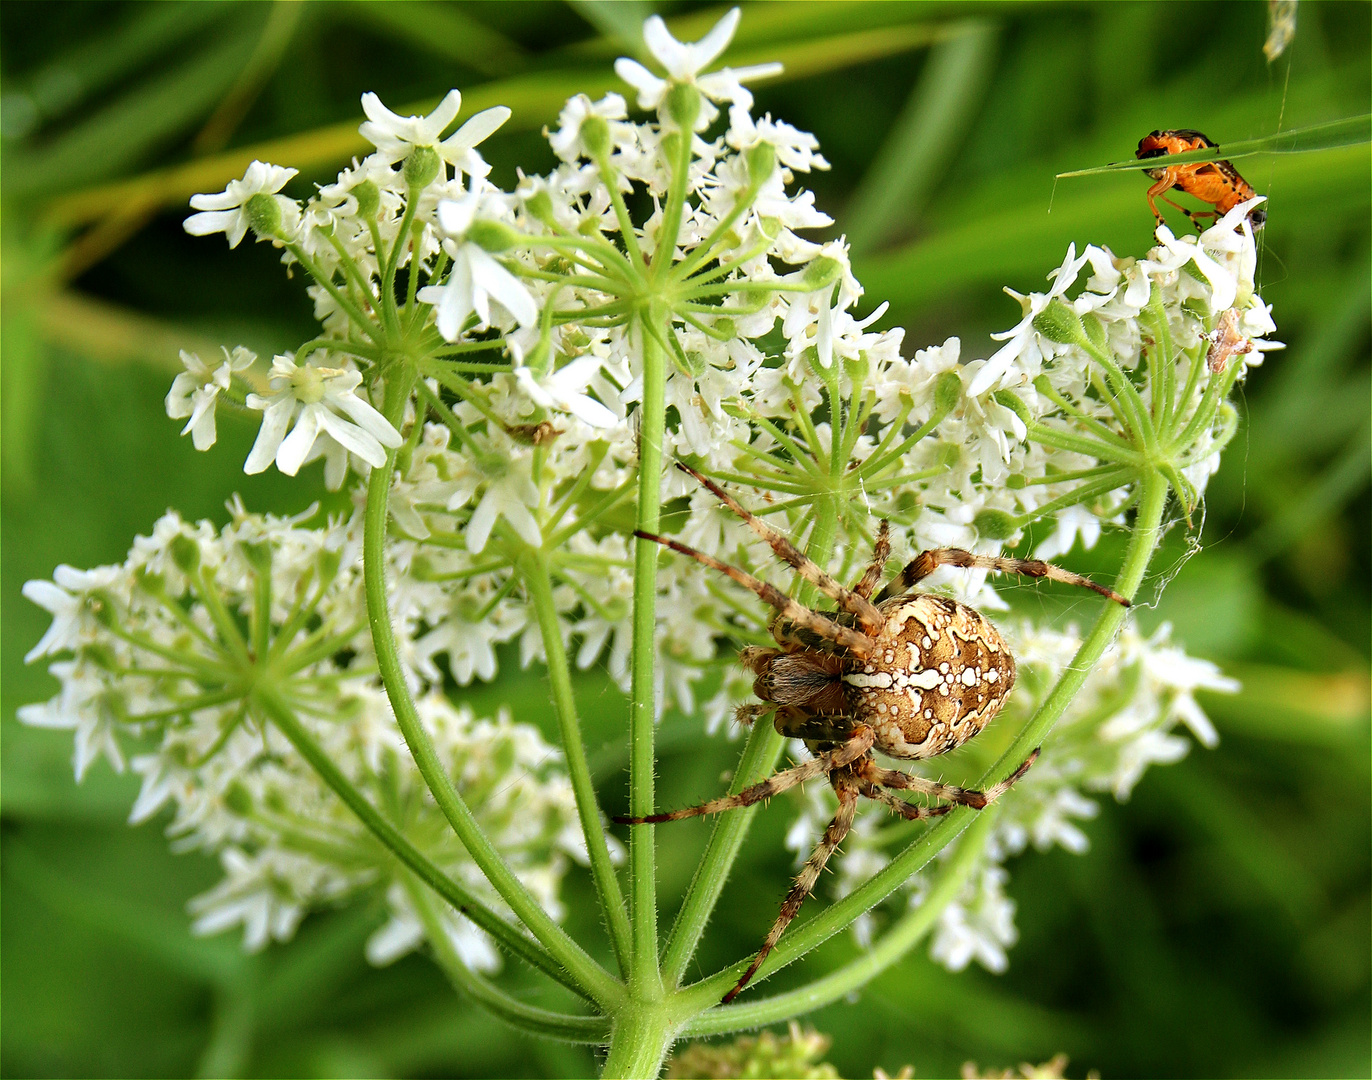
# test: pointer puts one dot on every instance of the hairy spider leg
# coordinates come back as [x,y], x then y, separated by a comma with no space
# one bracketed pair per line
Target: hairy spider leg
[851,602]
[881,551]
[826,762]
[926,562]
[903,781]
[909,811]
[797,613]
[846,788]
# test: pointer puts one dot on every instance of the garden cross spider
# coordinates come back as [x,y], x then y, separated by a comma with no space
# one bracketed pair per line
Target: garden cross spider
[912,675]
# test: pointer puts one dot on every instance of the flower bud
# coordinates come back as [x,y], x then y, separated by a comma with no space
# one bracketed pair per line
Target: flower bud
[539,206]
[1014,404]
[996,524]
[762,159]
[185,552]
[151,583]
[726,327]
[264,215]
[820,273]
[947,392]
[691,362]
[492,236]
[368,197]
[683,105]
[1058,322]
[595,136]
[238,800]
[422,165]
[258,555]
[1095,331]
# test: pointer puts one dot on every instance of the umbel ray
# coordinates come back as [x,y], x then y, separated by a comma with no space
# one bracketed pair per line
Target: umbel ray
[912,675]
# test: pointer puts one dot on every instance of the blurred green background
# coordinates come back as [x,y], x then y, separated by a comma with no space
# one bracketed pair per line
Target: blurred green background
[1219,925]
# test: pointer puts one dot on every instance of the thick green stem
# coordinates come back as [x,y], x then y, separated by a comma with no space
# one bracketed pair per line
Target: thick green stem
[642,1035]
[642,861]
[540,587]
[730,830]
[552,1025]
[1142,543]
[592,978]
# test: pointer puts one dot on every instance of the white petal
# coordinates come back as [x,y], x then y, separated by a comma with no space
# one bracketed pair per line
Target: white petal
[490,277]
[996,367]
[669,52]
[298,443]
[650,88]
[351,437]
[276,418]
[445,114]
[210,222]
[708,49]
[479,128]
[517,514]
[481,523]
[369,420]
[592,412]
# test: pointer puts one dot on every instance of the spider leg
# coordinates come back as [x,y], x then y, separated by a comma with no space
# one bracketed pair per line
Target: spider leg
[926,562]
[847,791]
[881,551]
[894,778]
[798,613]
[851,602]
[746,714]
[843,754]
[909,811]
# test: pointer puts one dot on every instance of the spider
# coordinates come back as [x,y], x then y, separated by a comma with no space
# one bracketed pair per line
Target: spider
[910,674]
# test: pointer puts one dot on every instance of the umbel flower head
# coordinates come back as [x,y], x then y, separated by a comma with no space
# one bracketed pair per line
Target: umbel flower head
[157,673]
[500,380]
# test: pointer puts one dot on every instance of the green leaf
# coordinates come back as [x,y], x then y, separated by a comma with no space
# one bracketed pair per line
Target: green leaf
[1350,131]
[443,30]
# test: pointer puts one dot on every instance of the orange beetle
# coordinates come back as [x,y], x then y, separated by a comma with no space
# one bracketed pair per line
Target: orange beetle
[1215,182]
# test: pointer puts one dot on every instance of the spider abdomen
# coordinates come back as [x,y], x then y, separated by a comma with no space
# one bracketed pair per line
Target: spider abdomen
[938,674]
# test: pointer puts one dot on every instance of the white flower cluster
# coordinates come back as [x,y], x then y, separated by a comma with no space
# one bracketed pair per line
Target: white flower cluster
[495,347]
[541,452]
[1127,717]
[160,658]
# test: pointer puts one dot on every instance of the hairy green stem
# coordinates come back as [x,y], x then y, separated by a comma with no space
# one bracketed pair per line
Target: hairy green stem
[545,1022]
[588,975]
[642,861]
[643,1033]
[539,584]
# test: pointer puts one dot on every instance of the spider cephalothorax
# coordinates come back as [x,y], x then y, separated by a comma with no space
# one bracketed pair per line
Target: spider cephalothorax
[912,675]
